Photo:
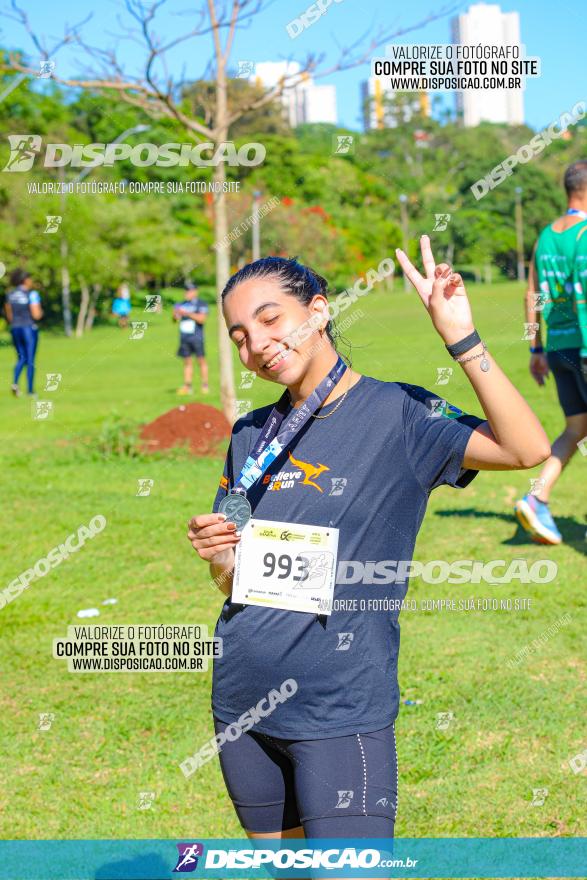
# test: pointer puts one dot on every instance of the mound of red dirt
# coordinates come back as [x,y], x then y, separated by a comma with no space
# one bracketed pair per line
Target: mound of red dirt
[196,424]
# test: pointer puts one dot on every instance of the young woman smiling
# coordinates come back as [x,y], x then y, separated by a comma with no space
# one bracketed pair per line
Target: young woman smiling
[356,459]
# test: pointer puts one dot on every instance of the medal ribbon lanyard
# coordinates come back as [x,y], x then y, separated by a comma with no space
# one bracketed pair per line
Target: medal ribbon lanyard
[273,438]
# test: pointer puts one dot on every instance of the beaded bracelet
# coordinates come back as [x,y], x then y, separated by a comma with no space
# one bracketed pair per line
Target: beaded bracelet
[484,363]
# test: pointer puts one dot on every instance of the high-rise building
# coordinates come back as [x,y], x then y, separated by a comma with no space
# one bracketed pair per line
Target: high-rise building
[316,103]
[485,23]
[375,93]
[302,99]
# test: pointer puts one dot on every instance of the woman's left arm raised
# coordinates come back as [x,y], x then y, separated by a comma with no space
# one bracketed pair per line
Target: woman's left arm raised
[512,437]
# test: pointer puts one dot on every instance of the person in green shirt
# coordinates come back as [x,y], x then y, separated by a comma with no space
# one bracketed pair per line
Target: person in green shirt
[556,299]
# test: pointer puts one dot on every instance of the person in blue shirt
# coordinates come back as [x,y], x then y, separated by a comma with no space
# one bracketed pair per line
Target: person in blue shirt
[191,315]
[305,703]
[121,305]
[23,309]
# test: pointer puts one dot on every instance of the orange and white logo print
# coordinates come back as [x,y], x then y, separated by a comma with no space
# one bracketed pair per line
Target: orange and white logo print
[287,479]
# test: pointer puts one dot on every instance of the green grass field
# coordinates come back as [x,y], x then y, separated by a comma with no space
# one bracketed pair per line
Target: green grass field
[117,734]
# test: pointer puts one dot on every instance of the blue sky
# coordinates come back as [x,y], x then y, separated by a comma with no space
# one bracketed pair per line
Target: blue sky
[555,32]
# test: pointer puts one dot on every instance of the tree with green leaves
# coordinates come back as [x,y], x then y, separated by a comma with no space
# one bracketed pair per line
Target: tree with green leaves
[160,95]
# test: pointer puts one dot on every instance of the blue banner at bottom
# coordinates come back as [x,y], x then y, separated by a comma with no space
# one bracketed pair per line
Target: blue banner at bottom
[310,858]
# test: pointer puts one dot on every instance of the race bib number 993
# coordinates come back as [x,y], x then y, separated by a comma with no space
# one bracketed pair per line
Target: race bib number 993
[286,565]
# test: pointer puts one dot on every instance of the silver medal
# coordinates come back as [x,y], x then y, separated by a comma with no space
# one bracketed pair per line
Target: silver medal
[237,510]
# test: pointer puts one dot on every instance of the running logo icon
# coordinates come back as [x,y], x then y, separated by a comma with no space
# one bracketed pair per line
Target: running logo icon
[53,223]
[444,720]
[187,861]
[153,303]
[443,375]
[139,328]
[242,407]
[343,144]
[144,489]
[530,330]
[344,641]
[53,381]
[317,564]
[23,151]
[46,69]
[537,485]
[578,762]
[46,719]
[338,484]
[539,796]
[42,409]
[245,69]
[436,407]
[146,799]
[439,407]
[247,378]
[344,800]
[541,298]
[441,222]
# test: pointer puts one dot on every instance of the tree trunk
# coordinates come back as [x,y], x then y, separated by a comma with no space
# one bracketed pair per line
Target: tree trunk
[83,307]
[96,288]
[64,250]
[227,393]
[65,292]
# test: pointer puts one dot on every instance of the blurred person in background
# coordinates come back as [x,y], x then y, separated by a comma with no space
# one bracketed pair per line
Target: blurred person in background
[557,290]
[23,310]
[121,305]
[191,314]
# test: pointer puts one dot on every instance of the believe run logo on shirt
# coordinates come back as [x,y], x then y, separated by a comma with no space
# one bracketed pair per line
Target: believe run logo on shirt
[305,475]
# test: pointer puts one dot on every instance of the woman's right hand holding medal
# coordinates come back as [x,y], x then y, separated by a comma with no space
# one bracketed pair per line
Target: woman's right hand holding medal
[214,538]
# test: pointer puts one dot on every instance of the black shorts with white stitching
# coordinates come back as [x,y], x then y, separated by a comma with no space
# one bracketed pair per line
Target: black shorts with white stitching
[337,787]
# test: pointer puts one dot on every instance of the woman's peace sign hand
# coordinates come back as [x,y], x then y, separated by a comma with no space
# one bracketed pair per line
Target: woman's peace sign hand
[443,293]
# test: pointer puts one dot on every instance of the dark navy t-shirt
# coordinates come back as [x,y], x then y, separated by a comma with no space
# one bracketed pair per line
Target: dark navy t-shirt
[367,470]
[187,325]
[20,301]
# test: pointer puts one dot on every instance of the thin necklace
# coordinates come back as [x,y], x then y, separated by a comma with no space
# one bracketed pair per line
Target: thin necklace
[336,407]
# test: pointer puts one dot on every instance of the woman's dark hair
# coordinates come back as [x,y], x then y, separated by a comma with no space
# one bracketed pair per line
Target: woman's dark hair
[17,276]
[297,280]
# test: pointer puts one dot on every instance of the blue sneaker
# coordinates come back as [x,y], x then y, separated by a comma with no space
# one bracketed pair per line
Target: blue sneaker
[535,517]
